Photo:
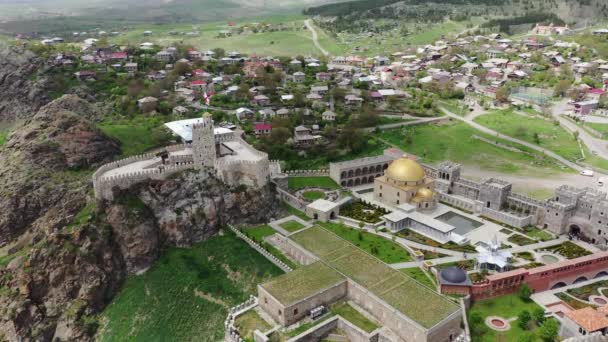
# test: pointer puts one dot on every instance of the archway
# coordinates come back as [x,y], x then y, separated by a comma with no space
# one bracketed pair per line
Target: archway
[580,280]
[343,183]
[575,230]
[350,182]
[332,215]
[363,180]
[358,172]
[385,166]
[357,182]
[343,175]
[378,168]
[350,173]
[364,171]
[370,179]
[601,274]
[558,285]
[315,216]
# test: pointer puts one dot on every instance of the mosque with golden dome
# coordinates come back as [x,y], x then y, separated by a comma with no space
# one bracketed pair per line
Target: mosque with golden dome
[405,181]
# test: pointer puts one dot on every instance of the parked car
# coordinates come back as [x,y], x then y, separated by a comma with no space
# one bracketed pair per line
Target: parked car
[587,173]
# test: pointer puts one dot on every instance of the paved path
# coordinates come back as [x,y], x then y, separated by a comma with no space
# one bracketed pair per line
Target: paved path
[599,146]
[315,37]
[514,140]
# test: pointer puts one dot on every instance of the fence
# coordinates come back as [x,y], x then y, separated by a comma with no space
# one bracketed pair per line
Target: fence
[308,173]
[231,332]
[280,264]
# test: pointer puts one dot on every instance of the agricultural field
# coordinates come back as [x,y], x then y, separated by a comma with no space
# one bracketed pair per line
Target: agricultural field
[455,142]
[186,293]
[542,132]
[296,40]
[297,183]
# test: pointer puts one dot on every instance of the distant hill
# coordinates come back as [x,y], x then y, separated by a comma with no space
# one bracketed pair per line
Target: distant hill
[41,16]
[355,15]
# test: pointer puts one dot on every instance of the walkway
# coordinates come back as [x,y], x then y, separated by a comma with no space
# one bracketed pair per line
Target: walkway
[599,146]
[276,225]
[514,140]
[315,37]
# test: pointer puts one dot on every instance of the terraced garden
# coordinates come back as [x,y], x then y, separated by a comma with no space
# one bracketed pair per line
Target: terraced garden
[303,282]
[569,250]
[413,299]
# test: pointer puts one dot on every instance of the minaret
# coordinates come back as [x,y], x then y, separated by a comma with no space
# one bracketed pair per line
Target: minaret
[203,143]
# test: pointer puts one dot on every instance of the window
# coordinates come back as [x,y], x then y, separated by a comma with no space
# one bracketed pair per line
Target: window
[295,311]
[280,312]
[265,300]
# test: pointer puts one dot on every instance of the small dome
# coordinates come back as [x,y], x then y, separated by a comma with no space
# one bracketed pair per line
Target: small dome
[405,170]
[453,275]
[424,195]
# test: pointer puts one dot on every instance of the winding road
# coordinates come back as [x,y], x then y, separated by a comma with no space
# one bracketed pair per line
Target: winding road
[315,37]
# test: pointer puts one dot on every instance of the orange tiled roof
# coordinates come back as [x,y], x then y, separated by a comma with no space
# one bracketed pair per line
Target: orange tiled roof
[589,319]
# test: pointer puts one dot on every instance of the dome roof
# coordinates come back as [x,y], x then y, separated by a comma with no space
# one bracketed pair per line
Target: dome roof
[424,195]
[405,170]
[453,275]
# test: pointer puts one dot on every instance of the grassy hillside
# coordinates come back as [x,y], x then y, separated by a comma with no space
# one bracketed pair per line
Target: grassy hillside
[186,295]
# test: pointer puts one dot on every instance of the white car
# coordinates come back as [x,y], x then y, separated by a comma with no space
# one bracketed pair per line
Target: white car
[587,173]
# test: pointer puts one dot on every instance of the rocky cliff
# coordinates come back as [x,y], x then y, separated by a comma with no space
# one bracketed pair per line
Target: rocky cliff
[64,256]
[22,93]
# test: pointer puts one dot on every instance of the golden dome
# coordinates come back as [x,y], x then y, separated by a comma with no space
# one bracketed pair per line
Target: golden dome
[405,170]
[424,195]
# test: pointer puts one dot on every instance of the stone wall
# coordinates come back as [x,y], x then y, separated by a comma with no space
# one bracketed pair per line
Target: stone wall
[292,249]
[291,200]
[247,172]
[308,173]
[261,250]
[457,202]
[510,219]
[403,326]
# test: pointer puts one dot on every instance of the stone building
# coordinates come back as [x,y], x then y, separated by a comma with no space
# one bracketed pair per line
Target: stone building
[405,181]
[205,148]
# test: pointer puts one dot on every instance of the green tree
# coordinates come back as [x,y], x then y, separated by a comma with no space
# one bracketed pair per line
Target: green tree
[524,319]
[526,337]
[549,330]
[476,324]
[525,292]
[538,315]
[561,88]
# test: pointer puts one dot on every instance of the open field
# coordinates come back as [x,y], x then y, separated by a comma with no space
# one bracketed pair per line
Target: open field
[292,226]
[186,293]
[384,249]
[415,300]
[297,40]
[136,136]
[455,142]
[297,183]
[544,133]
[506,307]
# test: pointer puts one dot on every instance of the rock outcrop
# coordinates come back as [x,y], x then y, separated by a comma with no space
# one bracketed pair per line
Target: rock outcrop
[68,255]
[42,182]
[22,93]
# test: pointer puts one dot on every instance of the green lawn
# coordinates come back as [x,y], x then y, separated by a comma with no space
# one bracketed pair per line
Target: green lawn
[506,307]
[550,136]
[455,142]
[386,250]
[259,233]
[600,128]
[355,317]
[539,234]
[186,293]
[249,322]
[313,195]
[297,183]
[420,275]
[292,226]
[455,106]
[138,135]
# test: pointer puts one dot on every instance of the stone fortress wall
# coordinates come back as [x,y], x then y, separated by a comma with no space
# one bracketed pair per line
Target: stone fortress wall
[104,185]
[252,168]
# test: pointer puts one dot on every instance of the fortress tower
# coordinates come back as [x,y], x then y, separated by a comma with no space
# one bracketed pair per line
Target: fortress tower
[203,143]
